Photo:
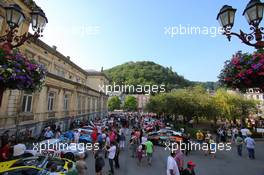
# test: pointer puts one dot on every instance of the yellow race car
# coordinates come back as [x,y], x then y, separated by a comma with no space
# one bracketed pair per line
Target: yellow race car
[33,166]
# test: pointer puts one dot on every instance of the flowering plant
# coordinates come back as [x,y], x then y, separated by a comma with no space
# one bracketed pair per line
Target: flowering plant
[244,71]
[18,72]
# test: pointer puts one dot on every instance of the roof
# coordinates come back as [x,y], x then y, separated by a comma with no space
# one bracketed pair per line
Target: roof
[96,73]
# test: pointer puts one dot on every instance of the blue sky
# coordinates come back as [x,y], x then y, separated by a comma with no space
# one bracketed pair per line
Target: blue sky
[96,33]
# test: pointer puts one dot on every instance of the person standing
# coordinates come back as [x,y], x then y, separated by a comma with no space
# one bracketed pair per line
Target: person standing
[199,137]
[179,158]
[250,144]
[133,144]
[149,151]
[239,143]
[99,162]
[81,165]
[117,166]
[245,132]
[111,156]
[190,169]
[139,154]
[76,136]
[172,167]
[48,134]
[4,138]
[5,152]
[122,140]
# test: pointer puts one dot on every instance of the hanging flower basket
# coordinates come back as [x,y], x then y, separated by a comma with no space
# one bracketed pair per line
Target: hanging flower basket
[244,71]
[18,72]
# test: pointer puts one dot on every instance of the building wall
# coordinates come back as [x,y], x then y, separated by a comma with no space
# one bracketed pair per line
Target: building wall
[256,95]
[69,92]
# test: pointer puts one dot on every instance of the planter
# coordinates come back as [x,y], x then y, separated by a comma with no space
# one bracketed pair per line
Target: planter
[18,72]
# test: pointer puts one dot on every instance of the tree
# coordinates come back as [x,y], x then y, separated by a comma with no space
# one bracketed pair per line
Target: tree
[233,106]
[130,103]
[195,103]
[114,103]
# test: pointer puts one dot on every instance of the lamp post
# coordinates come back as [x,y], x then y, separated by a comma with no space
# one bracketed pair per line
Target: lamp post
[14,18]
[253,14]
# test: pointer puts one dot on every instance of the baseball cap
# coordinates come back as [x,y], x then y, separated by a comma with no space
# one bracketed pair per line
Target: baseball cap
[191,163]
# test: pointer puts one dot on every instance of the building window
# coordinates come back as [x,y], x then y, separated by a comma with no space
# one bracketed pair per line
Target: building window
[257,96]
[66,102]
[27,103]
[51,98]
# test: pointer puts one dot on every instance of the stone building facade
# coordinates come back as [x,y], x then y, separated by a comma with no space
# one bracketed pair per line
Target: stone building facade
[70,93]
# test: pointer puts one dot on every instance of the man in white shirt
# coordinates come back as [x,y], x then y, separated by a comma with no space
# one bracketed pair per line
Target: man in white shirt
[76,135]
[172,167]
[111,156]
[245,132]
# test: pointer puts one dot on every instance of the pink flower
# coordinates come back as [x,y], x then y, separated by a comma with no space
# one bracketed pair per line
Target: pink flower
[249,71]
[235,60]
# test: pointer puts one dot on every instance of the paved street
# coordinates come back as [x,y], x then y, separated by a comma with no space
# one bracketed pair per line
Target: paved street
[225,163]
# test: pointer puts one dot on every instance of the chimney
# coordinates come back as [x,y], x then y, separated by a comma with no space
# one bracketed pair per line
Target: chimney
[68,57]
[54,47]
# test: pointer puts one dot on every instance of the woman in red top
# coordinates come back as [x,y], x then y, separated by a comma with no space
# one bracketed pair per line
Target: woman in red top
[5,152]
[94,136]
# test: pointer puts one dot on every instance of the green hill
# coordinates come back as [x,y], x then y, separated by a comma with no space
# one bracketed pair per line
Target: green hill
[146,73]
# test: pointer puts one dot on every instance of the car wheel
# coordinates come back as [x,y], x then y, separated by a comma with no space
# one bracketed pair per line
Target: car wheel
[69,156]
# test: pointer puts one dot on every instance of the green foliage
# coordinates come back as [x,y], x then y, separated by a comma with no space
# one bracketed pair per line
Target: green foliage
[146,73]
[233,105]
[197,102]
[114,103]
[130,103]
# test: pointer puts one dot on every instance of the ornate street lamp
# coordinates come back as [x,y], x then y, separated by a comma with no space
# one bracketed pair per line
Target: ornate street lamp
[14,18]
[253,14]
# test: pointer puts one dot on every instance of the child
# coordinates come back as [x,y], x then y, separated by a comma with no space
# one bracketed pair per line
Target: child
[139,154]
[212,147]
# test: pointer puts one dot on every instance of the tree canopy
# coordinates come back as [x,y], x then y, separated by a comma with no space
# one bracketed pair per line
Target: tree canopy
[146,73]
[114,103]
[130,103]
[197,102]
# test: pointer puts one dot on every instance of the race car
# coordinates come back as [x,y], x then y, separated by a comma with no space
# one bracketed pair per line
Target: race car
[164,136]
[33,165]
[56,147]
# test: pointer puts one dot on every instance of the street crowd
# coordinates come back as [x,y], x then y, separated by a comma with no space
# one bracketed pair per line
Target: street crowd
[124,132]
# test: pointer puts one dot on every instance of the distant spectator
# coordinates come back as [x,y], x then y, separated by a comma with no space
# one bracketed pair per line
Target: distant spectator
[5,152]
[48,133]
[250,144]
[76,136]
[122,140]
[99,162]
[81,165]
[239,143]
[172,167]
[245,132]
[4,138]
[190,169]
